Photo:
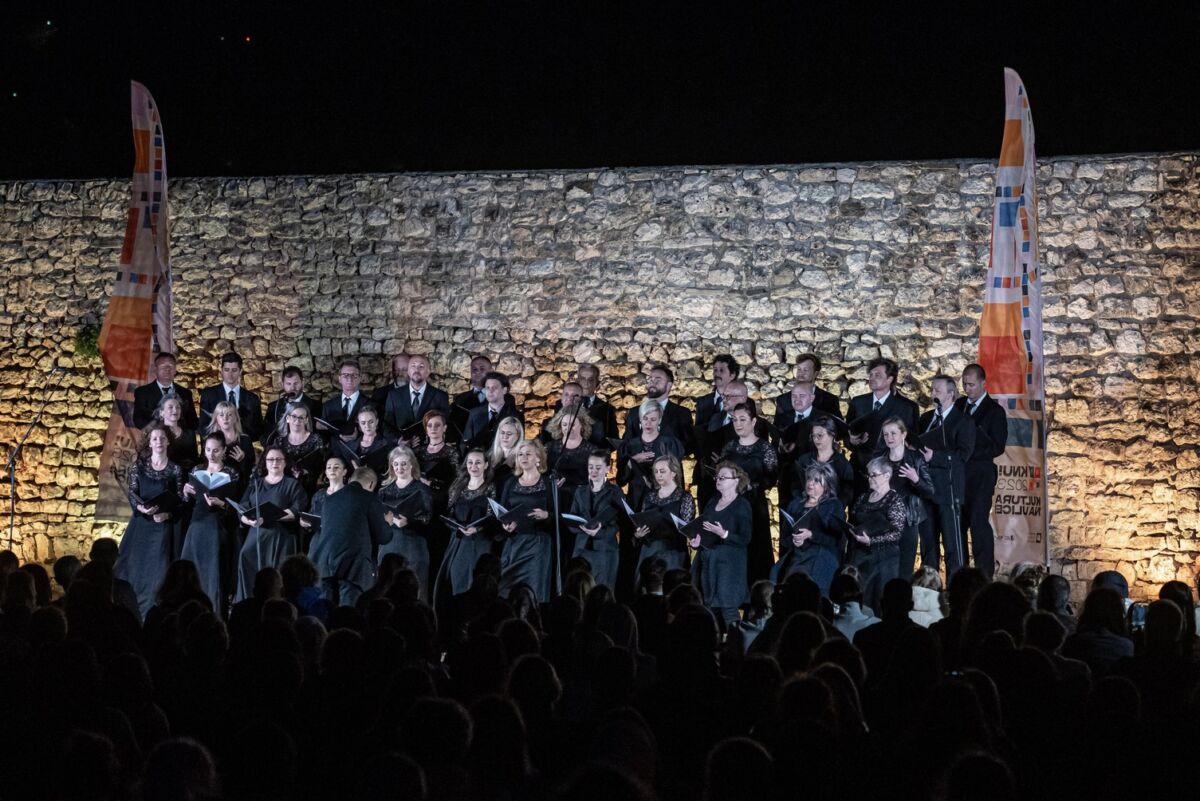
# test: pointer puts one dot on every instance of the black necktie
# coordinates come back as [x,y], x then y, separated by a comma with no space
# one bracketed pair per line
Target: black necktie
[345,408]
[416,403]
[878,405]
[937,421]
[720,404]
[232,398]
[491,414]
[974,407]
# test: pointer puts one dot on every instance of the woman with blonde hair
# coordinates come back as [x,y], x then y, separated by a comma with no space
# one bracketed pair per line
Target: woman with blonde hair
[239,448]
[636,459]
[510,432]
[528,555]
[409,504]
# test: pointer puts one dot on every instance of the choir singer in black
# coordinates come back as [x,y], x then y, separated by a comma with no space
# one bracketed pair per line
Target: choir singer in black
[230,390]
[147,397]
[482,421]
[807,367]
[291,395]
[867,413]
[947,439]
[408,404]
[341,409]
[991,436]
[676,420]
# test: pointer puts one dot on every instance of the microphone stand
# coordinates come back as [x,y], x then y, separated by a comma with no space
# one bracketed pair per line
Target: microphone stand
[556,502]
[15,454]
[962,546]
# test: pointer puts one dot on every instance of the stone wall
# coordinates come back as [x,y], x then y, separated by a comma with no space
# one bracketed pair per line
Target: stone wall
[546,269]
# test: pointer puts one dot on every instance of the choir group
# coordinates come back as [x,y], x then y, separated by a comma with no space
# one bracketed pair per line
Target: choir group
[411,475]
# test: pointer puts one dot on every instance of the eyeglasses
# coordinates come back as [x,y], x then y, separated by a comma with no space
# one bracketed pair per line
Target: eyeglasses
[878,475]
[726,478]
[294,416]
[350,375]
[275,459]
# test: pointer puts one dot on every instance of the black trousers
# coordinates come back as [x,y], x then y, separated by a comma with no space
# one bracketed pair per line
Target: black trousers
[976,516]
[942,529]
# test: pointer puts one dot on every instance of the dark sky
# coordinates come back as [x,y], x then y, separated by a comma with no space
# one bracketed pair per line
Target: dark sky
[492,84]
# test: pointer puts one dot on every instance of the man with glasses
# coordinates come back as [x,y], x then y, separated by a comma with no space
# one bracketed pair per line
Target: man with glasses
[341,409]
[676,420]
[291,395]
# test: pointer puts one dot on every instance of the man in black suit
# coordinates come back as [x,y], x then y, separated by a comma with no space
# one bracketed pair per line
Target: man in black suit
[147,397]
[676,421]
[948,439]
[807,367]
[498,404]
[230,389]
[604,416]
[795,436]
[342,408]
[725,369]
[464,402]
[878,405]
[991,436]
[408,404]
[399,378]
[291,395]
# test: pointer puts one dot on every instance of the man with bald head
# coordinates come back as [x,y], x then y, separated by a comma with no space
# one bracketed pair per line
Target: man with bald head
[408,404]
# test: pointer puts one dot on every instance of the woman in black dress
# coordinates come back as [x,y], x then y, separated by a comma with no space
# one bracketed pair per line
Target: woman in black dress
[665,541]
[813,544]
[438,460]
[409,509]
[911,479]
[468,503]
[212,532]
[336,473]
[637,455]
[879,518]
[182,450]
[598,502]
[371,447]
[719,570]
[827,451]
[509,433]
[269,544]
[567,456]
[239,448]
[149,544]
[303,447]
[528,554]
[758,460]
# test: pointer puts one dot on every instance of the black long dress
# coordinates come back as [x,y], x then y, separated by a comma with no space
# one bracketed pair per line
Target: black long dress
[600,551]
[528,555]
[841,468]
[820,556]
[463,552]
[439,468]
[638,477]
[211,536]
[570,464]
[410,541]
[245,466]
[148,548]
[665,541]
[719,571]
[884,521]
[269,546]
[761,463]
[915,497]
[307,458]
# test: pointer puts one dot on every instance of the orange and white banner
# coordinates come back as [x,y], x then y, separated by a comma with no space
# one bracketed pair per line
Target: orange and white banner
[1010,339]
[138,322]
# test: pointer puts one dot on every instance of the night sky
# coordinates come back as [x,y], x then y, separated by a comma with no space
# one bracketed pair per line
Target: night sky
[259,88]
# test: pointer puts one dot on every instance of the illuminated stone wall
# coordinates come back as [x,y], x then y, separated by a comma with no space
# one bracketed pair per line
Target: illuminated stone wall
[542,270]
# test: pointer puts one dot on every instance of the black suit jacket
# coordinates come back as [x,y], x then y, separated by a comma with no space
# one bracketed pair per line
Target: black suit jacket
[479,430]
[677,421]
[379,396]
[398,412]
[277,408]
[948,467]
[991,429]
[146,399]
[824,401]
[895,406]
[249,409]
[464,402]
[331,412]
